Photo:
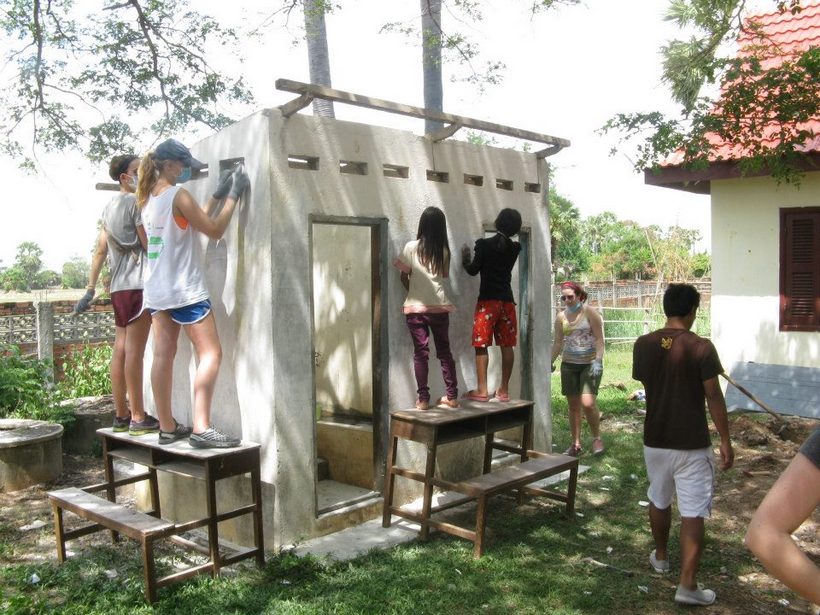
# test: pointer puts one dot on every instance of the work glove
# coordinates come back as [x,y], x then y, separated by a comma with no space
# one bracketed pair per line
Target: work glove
[597,368]
[552,366]
[241,182]
[85,302]
[223,186]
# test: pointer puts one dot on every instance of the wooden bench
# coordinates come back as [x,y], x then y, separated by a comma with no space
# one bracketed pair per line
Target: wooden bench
[134,524]
[509,478]
[433,428]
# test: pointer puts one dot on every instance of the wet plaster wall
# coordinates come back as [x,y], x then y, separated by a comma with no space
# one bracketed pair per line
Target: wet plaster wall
[260,277]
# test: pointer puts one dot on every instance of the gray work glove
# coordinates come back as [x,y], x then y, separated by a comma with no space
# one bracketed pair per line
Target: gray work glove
[223,186]
[597,368]
[241,181]
[85,302]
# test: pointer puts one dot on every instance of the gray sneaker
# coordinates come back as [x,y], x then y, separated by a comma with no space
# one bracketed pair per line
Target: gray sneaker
[147,425]
[180,431]
[121,424]
[212,438]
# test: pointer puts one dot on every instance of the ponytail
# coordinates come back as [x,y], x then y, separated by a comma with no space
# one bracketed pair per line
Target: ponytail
[148,174]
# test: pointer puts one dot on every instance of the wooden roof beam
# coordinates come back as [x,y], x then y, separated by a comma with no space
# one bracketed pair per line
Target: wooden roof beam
[555,144]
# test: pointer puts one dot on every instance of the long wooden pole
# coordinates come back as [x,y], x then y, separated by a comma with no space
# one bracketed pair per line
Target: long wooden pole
[743,390]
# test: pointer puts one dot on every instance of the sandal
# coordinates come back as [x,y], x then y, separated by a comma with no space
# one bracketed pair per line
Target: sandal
[496,396]
[473,396]
[573,451]
[422,405]
[450,403]
[597,446]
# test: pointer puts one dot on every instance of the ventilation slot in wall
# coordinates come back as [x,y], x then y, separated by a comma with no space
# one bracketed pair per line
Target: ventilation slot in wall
[504,184]
[438,176]
[473,180]
[532,187]
[306,163]
[395,170]
[351,167]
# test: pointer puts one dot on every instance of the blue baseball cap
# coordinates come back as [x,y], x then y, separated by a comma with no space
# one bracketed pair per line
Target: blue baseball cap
[171,149]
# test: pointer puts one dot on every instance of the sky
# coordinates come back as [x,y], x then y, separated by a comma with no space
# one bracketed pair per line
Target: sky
[567,72]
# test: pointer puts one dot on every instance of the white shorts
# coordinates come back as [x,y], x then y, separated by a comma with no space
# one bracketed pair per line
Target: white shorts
[689,473]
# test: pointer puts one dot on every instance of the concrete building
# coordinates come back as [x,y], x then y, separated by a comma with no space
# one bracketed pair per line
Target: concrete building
[316,352]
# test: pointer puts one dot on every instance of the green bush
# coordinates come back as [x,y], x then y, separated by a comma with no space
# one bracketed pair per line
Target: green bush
[26,389]
[86,372]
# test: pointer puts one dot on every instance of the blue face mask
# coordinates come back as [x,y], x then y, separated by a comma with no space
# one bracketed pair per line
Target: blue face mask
[184,176]
[574,308]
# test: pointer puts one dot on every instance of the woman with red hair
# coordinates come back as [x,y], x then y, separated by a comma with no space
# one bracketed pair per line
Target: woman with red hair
[579,339]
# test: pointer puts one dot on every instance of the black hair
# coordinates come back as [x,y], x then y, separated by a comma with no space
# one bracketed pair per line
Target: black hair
[119,165]
[680,299]
[508,222]
[432,236]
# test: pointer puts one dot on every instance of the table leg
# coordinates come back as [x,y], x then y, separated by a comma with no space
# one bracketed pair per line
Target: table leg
[256,487]
[153,485]
[427,504]
[390,483]
[213,526]
[110,490]
[59,531]
[488,452]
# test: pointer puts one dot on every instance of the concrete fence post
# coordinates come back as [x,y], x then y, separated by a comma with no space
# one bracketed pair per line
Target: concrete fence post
[44,311]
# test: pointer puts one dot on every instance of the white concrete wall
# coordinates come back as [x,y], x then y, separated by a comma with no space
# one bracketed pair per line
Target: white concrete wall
[260,279]
[746,270]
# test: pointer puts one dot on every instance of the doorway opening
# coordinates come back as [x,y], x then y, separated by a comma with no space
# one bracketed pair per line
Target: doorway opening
[349,351]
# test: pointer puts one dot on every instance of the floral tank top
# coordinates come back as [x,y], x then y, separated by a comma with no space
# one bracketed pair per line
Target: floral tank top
[579,341]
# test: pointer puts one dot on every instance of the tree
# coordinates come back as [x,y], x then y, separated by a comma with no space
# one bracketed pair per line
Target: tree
[84,80]
[27,264]
[762,92]
[318,54]
[567,253]
[75,273]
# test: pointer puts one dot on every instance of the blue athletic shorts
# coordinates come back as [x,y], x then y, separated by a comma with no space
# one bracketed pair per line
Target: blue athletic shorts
[189,314]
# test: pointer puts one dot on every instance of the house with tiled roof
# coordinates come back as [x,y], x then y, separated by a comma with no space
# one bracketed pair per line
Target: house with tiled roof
[765,303]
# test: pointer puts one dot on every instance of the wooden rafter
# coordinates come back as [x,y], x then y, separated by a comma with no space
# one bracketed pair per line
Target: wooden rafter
[309,91]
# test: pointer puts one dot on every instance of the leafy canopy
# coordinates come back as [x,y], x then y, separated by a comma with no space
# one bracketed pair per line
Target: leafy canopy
[762,95]
[85,80]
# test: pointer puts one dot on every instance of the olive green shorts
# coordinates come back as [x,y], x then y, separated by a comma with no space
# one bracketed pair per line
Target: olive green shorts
[576,379]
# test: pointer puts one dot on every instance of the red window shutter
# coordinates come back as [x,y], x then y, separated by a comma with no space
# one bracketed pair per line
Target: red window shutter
[800,269]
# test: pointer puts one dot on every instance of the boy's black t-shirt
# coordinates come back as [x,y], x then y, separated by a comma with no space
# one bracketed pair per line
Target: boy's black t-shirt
[673,365]
[494,257]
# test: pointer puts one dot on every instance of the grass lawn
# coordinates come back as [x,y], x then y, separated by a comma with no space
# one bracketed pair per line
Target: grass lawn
[534,563]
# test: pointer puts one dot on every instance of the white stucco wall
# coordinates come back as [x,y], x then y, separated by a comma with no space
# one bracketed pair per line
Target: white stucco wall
[260,277]
[746,269]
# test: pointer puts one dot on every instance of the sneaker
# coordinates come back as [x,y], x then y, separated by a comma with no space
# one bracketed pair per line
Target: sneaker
[147,425]
[211,438]
[180,431]
[573,451]
[659,565]
[597,446]
[121,424]
[695,597]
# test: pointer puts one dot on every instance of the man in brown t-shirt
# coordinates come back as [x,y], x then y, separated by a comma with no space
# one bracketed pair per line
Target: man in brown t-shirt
[679,371]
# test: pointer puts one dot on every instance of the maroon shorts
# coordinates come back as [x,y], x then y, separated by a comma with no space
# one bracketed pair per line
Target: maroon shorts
[127,306]
[494,318]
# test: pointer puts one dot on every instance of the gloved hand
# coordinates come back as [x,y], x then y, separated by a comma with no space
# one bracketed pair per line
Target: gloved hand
[85,302]
[241,181]
[597,368]
[552,366]
[223,186]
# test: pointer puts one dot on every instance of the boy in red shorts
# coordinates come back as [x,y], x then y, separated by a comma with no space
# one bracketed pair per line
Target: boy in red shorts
[494,316]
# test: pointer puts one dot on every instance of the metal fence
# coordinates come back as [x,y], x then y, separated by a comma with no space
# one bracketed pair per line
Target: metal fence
[623,325]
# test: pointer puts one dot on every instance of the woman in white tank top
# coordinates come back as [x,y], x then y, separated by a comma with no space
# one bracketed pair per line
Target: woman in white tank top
[175,289]
[579,339]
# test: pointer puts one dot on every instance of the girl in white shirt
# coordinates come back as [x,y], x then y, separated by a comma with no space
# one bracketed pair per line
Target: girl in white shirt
[424,263]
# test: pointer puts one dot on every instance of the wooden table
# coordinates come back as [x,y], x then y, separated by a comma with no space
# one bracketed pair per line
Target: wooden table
[207,464]
[474,419]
